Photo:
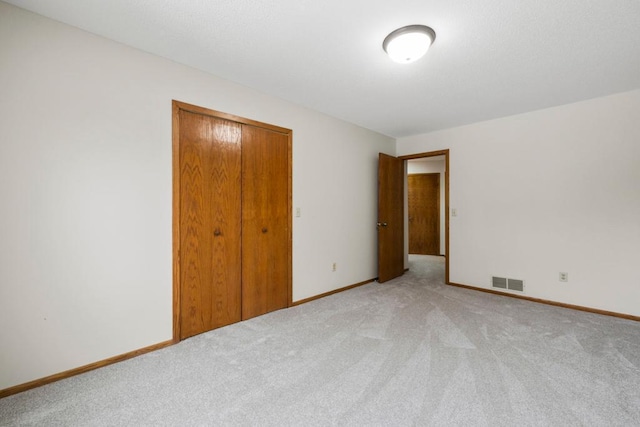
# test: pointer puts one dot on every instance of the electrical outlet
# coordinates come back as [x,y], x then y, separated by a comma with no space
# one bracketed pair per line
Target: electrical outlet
[334,267]
[564,277]
[298,212]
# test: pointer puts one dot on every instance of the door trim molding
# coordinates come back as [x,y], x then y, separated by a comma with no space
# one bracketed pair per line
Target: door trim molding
[178,106]
[444,153]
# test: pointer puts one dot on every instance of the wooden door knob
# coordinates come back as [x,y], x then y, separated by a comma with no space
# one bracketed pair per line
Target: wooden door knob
[217,232]
[264,230]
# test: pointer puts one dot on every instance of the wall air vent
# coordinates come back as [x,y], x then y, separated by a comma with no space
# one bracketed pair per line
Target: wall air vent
[505,283]
[499,282]
[515,285]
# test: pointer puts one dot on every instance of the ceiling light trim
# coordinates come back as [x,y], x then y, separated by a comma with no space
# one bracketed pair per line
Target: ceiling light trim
[406,31]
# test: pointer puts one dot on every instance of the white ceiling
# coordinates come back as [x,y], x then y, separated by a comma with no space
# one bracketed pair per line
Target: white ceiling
[491,58]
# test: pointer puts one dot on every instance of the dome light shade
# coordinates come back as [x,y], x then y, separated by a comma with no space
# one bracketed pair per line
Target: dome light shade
[408,44]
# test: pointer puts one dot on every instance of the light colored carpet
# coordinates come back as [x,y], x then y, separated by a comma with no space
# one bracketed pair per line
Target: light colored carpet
[412,351]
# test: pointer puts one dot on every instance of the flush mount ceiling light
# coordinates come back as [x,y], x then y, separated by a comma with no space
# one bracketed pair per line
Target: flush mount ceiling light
[408,44]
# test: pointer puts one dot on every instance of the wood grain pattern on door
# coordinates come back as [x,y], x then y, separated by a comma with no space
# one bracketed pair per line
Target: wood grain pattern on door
[265,221]
[423,192]
[232,180]
[390,217]
[210,222]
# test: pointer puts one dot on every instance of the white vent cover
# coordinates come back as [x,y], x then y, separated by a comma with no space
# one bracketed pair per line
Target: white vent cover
[505,283]
[515,285]
[499,282]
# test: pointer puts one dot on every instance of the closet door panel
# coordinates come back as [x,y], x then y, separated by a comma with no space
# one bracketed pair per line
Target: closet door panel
[210,222]
[265,221]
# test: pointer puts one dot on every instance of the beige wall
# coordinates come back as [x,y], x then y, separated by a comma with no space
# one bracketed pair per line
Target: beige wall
[556,190]
[85,184]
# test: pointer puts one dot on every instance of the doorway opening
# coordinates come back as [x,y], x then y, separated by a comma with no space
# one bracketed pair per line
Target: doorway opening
[426,235]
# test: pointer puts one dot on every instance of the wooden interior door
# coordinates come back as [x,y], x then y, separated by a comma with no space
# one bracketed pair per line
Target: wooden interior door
[390,217]
[210,206]
[266,215]
[423,192]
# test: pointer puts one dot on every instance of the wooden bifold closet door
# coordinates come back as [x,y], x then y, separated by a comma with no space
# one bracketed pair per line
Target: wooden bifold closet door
[264,221]
[232,219]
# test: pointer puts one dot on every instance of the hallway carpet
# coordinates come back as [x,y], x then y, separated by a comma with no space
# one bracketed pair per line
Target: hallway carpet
[409,352]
